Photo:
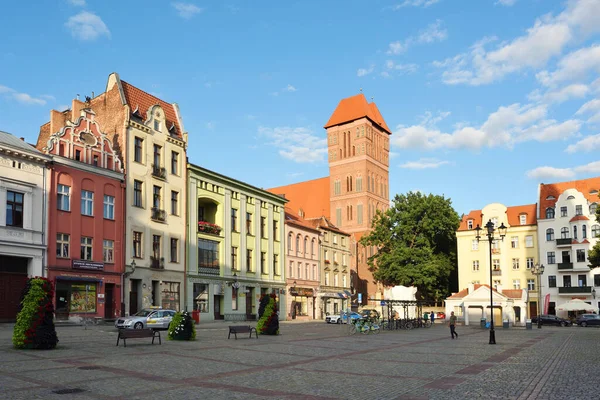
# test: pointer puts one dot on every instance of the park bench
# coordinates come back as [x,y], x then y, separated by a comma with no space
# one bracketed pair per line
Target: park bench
[235,329]
[137,334]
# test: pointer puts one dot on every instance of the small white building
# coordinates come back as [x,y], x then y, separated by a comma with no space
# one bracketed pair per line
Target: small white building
[473,303]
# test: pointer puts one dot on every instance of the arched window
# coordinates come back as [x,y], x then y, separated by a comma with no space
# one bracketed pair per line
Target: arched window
[290,241]
[595,231]
[575,232]
[549,234]
[584,232]
[297,244]
[549,213]
[312,248]
[306,245]
[564,233]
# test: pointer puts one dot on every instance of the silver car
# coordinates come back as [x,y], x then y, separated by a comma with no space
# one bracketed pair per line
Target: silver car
[148,318]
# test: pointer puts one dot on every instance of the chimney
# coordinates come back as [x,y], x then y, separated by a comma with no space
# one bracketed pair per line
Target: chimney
[471,287]
[499,288]
[22,139]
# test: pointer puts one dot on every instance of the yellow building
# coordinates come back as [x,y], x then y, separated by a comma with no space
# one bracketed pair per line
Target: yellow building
[511,259]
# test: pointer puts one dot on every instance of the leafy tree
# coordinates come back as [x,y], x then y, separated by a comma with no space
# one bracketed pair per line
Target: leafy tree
[594,253]
[416,244]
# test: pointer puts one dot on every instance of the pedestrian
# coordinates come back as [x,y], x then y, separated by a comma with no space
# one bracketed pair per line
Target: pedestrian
[452,325]
[432,315]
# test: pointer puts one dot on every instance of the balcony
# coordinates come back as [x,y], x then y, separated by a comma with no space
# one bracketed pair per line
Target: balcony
[213,270]
[496,272]
[566,242]
[158,215]
[574,289]
[208,228]
[157,262]
[159,172]
[565,266]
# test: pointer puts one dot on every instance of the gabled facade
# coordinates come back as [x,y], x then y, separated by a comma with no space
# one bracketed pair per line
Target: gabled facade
[235,243]
[303,268]
[512,258]
[86,218]
[567,232]
[23,219]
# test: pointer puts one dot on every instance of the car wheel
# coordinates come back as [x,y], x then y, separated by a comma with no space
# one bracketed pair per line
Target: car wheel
[338,321]
[138,325]
[563,323]
[584,324]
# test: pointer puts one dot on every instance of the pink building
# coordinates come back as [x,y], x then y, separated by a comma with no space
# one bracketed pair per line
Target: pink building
[303,269]
[86,217]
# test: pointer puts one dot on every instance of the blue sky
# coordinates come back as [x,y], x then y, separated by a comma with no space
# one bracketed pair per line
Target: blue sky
[485,98]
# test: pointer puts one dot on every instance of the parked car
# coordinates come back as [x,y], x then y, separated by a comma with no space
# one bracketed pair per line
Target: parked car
[440,315]
[551,320]
[152,318]
[588,319]
[341,319]
[369,313]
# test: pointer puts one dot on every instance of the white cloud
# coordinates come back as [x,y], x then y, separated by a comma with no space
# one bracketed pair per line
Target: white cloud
[399,69]
[186,10]
[564,173]
[297,144]
[506,3]
[210,125]
[586,145]
[424,163]
[433,33]
[574,66]
[24,98]
[365,71]
[289,88]
[592,108]
[573,91]
[415,3]
[87,26]
[546,39]
[396,48]
[78,3]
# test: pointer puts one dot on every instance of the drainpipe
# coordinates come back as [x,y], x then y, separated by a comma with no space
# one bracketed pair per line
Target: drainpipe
[44,224]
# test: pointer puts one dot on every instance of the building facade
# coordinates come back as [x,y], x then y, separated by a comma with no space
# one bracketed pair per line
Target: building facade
[512,258]
[235,247]
[86,218]
[567,231]
[23,219]
[303,268]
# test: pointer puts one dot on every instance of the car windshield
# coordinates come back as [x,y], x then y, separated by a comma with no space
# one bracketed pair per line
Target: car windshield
[143,313]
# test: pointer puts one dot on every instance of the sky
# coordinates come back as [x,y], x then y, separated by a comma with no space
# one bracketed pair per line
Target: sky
[485,98]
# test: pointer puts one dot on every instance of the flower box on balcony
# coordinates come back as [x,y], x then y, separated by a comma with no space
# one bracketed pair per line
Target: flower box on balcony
[207,227]
[335,263]
[327,262]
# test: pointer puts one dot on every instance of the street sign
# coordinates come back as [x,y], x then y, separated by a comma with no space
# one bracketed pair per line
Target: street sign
[382,303]
[360,298]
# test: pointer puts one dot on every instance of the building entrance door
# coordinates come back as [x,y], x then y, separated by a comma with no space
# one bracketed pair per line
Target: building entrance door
[249,300]
[217,307]
[13,278]
[108,301]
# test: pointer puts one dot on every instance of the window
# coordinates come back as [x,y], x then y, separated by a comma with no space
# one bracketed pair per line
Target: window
[62,245]
[234,298]
[580,255]
[564,232]
[276,264]
[359,214]
[549,213]
[551,256]
[137,153]
[174,250]
[108,251]
[514,242]
[566,281]
[87,203]
[344,260]
[496,264]
[86,248]
[137,193]
[359,184]
[338,217]
[474,245]
[516,284]
[248,223]
[563,211]
[249,260]
[306,245]
[78,155]
[326,278]
[345,281]
[496,284]
[297,244]
[596,280]
[291,273]
[137,244]
[579,210]
[337,187]
[174,163]
[335,239]
[109,207]
[156,197]
[515,264]
[174,203]
[595,231]
[593,208]
[156,246]
[529,262]
[234,258]
[63,198]
[290,239]
[14,209]
[549,234]
[275,236]
[208,255]
[529,241]
[233,220]
[575,232]
[530,284]
[476,265]
[263,263]
[470,224]
[95,160]
[335,280]
[552,281]
[156,158]
[157,125]
[263,228]
[523,219]
[584,231]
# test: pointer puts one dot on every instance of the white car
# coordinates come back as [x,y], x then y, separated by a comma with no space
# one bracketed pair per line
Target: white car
[341,319]
[148,318]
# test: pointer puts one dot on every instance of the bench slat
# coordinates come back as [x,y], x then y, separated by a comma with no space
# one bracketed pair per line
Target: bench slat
[137,334]
[235,329]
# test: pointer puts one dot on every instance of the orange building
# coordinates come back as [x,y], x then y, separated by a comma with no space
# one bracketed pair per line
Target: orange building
[357,185]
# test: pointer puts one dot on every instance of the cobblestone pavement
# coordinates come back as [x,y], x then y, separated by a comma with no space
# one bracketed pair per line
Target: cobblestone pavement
[308,361]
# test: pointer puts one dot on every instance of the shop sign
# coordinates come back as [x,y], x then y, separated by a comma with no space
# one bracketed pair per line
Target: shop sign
[84,264]
[301,292]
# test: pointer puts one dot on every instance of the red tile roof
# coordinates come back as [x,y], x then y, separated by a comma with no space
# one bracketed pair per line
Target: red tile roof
[312,197]
[325,223]
[292,219]
[585,186]
[137,98]
[475,215]
[512,215]
[356,107]
[510,293]
[579,218]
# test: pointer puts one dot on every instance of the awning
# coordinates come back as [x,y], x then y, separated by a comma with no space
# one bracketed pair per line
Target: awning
[78,278]
[576,305]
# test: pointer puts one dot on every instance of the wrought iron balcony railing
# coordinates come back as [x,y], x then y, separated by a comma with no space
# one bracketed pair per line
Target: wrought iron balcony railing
[158,214]
[159,172]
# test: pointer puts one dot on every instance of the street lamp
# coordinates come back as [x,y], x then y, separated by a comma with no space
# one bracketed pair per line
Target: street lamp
[490,228]
[538,271]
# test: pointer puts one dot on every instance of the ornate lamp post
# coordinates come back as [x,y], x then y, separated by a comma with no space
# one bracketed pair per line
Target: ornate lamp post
[538,271]
[490,228]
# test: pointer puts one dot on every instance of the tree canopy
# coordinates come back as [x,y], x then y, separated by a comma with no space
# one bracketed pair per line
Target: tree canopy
[416,244]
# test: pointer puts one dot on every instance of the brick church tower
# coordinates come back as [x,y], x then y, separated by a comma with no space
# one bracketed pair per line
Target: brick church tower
[358,150]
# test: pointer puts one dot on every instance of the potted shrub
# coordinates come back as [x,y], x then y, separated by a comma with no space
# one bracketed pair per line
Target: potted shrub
[182,327]
[268,315]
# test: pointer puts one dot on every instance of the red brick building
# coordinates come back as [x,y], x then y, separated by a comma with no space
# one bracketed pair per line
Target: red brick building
[86,215]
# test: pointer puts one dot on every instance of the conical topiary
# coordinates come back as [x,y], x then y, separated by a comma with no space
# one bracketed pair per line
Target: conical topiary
[35,324]
[268,318]
[182,327]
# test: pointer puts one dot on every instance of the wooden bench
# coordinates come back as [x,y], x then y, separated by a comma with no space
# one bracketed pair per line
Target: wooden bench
[137,334]
[235,329]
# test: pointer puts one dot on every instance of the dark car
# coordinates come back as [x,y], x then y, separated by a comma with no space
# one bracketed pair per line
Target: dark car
[588,319]
[551,320]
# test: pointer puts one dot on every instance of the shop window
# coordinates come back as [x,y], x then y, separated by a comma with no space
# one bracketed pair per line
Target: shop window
[83,298]
[201,297]
[170,295]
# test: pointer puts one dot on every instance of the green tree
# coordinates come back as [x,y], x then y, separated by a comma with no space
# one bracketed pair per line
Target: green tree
[416,244]
[594,253]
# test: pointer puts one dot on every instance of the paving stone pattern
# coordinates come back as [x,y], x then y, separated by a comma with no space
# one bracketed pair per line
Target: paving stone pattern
[308,361]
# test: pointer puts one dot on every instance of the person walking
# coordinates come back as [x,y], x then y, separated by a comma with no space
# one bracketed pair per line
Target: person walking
[432,315]
[452,325]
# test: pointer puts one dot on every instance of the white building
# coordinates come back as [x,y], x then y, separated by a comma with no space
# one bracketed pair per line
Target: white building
[23,219]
